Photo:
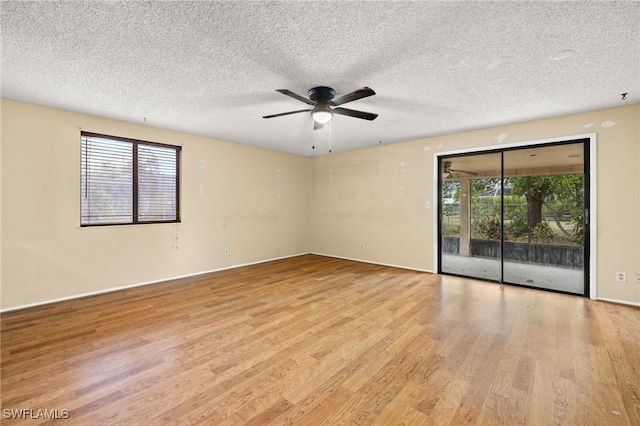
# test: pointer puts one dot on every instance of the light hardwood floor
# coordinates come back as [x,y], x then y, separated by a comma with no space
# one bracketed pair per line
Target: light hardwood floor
[315,340]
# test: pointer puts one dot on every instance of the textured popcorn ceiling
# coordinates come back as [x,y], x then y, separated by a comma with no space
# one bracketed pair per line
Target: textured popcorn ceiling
[211,68]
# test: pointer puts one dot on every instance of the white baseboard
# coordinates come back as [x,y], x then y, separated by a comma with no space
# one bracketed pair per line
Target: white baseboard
[621,302]
[374,263]
[110,290]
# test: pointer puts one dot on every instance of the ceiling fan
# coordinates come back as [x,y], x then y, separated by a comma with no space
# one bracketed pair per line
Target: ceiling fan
[324,105]
[447,171]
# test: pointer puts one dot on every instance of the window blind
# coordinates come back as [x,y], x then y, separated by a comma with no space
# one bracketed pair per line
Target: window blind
[127,181]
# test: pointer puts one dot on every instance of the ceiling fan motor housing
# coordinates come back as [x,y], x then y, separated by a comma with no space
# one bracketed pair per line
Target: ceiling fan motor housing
[321,94]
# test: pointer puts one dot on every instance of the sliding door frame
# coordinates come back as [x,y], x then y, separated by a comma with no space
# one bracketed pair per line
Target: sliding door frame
[590,171]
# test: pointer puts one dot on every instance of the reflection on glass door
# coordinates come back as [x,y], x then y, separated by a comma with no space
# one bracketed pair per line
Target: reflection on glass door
[517,215]
[543,217]
[470,216]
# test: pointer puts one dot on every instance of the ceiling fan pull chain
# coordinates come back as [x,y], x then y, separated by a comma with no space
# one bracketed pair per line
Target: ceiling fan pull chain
[330,136]
[313,138]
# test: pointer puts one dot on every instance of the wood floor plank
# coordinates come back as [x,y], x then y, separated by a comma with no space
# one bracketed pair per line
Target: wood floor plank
[316,340]
[319,413]
[448,404]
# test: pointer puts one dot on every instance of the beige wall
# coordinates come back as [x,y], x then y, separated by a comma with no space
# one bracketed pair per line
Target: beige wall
[377,196]
[263,204]
[252,201]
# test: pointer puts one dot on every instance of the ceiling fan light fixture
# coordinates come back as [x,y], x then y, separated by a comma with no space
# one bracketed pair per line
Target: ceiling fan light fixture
[322,114]
[321,98]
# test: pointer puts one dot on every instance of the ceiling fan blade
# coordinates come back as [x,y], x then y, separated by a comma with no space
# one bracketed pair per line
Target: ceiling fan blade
[296,96]
[357,114]
[286,113]
[317,126]
[354,96]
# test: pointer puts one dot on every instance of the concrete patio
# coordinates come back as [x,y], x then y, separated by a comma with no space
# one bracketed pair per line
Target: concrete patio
[535,275]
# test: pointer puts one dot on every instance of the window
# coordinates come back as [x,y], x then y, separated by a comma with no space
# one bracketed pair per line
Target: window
[126,181]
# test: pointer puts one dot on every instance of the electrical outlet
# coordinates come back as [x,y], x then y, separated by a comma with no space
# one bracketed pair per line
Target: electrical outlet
[361,246]
[621,277]
[226,252]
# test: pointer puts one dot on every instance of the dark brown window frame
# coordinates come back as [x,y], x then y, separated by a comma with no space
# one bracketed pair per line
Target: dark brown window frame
[135,180]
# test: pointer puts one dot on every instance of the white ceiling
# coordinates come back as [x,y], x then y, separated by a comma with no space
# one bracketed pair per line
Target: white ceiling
[211,68]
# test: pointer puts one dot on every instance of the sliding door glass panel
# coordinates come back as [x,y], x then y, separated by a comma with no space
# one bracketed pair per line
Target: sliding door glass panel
[543,217]
[470,224]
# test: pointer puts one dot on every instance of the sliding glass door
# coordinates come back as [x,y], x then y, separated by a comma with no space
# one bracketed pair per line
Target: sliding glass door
[518,216]
[544,217]
[471,205]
